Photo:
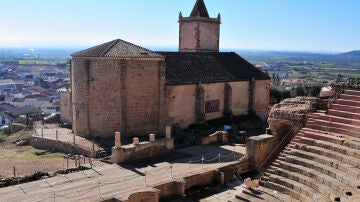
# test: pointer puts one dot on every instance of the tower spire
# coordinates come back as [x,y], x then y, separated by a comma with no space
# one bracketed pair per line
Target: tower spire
[199,10]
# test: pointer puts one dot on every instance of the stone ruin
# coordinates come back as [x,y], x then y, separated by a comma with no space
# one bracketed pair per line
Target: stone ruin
[138,150]
[282,116]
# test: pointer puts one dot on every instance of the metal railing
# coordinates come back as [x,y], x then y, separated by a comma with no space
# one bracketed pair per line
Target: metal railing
[340,88]
[284,142]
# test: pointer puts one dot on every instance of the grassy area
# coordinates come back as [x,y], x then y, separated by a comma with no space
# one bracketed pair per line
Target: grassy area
[40,62]
[296,66]
[348,74]
[2,136]
[26,153]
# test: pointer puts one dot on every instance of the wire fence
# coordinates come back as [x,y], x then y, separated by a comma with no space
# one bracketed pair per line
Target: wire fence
[146,177]
[55,133]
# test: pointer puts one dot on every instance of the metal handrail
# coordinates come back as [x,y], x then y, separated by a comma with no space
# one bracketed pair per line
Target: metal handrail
[285,141]
[336,94]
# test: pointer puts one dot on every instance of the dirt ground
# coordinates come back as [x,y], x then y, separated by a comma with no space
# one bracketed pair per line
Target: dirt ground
[26,159]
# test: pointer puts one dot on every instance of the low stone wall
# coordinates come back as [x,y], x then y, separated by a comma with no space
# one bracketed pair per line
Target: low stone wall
[142,150]
[258,148]
[144,196]
[139,150]
[201,179]
[218,137]
[172,189]
[63,147]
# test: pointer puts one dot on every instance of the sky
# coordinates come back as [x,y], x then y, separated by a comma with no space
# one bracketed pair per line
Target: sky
[296,25]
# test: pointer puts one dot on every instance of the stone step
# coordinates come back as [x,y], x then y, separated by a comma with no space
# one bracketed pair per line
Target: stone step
[280,196]
[328,145]
[349,141]
[309,192]
[330,154]
[348,102]
[332,119]
[337,174]
[325,179]
[344,114]
[330,162]
[331,129]
[285,190]
[229,173]
[355,138]
[325,190]
[350,97]
[322,136]
[345,108]
[352,92]
[262,194]
[335,124]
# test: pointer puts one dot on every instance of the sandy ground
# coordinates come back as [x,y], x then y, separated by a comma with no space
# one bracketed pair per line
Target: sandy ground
[26,159]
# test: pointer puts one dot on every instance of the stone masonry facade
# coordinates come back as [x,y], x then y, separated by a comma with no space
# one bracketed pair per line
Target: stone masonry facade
[116,95]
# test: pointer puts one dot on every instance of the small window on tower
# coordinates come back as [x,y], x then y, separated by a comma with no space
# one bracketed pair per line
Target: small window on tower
[212,106]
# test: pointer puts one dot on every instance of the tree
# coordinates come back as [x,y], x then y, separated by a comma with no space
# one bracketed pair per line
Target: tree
[314,90]
[298,91]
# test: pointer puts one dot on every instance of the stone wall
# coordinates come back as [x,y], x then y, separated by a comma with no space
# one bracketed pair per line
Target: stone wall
[258,148]
[198,34]
[261,96]
[283,115]
[65,107]
[63,147]
[80,96]
[218,137]
[121,94]
[181,109]
[172,189]
[144,196]
[240,95]
[139,150]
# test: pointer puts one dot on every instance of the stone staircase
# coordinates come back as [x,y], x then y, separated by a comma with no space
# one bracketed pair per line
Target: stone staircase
[322,161]
[229,173]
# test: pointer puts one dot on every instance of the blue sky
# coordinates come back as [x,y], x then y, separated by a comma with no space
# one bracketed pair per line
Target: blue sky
[310,25]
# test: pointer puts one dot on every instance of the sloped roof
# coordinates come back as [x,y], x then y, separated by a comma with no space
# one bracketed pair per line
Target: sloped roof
[208,67]
[16,111]
[199,9]
[116,48]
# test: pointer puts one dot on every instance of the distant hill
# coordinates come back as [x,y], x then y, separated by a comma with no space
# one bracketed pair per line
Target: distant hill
[355,53]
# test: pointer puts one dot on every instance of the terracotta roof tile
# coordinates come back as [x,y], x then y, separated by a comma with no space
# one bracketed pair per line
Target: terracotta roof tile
[116,48]
[208,67]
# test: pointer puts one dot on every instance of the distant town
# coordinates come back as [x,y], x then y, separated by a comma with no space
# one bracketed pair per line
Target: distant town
[36,78]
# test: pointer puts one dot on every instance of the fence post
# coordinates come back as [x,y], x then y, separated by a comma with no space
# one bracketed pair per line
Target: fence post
[42,133]
[219,157]
[171,170]
[56,133]
[93,146]
[145,178]
[99,190]
[14,169]
[202,162]
[74,138]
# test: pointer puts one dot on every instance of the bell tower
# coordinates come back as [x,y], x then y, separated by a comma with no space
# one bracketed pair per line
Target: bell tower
[199,32]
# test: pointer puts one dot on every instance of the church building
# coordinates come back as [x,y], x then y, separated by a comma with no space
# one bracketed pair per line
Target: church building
[119,86]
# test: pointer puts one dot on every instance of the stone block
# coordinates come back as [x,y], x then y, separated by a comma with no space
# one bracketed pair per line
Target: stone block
[136,141]
[168,132]
[117,139]
[152,137]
